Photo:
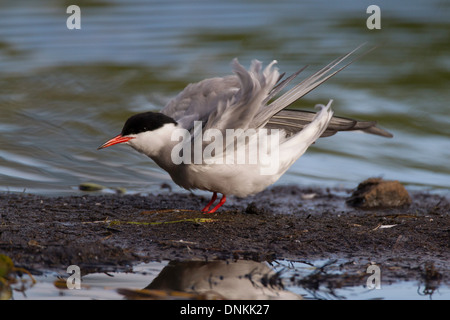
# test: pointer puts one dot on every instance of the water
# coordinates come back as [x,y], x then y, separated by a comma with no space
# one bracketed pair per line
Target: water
[230,280]
[64,92]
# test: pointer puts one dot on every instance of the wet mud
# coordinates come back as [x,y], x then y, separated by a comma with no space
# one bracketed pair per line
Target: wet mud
[106,232]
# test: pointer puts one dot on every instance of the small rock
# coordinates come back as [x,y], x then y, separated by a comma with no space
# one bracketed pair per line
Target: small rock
[378,193]
[120,190]
[308,196]
[88,186]
[166,186]
[253,209]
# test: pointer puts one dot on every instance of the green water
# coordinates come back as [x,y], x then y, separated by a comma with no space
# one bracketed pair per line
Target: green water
[64,92]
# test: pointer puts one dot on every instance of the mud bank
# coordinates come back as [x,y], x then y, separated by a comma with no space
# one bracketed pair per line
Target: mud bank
[112,232]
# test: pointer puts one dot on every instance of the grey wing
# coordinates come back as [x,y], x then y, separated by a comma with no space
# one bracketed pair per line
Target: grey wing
[199,100]
[240,101]
[255,85]
[293,121]
[301,89]
[228,102]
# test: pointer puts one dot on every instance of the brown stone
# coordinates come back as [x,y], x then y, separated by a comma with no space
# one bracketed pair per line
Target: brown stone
[378,193]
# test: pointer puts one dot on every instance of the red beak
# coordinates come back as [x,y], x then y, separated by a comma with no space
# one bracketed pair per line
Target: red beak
[115,140]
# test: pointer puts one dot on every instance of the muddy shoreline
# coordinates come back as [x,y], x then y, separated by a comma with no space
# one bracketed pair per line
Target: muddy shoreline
[110,232]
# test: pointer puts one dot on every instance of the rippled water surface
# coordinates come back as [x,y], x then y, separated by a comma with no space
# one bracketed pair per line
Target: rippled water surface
[225,280]
[64,92]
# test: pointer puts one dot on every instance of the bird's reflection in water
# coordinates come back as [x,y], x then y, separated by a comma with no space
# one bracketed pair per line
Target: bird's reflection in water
[218,279]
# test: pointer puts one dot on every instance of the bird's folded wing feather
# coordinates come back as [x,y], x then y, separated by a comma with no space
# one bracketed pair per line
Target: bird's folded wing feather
[293,121]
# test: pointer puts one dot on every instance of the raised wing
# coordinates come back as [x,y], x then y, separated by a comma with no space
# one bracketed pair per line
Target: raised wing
[241,101]
[198,100]
[301,89]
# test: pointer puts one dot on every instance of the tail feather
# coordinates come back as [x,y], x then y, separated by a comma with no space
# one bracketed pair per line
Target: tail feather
[293,121]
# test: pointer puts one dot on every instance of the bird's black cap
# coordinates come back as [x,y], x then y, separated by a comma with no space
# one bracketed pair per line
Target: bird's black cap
[147,121]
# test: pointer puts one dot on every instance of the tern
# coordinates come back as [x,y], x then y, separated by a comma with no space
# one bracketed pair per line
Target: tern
[232,135]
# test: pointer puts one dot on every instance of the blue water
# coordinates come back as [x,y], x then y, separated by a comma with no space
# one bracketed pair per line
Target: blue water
[230,282]
[64,92]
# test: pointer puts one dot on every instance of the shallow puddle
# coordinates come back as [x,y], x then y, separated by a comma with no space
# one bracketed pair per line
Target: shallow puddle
[242,279]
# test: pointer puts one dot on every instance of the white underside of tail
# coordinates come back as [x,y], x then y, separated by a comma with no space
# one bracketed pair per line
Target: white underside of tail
[295,146]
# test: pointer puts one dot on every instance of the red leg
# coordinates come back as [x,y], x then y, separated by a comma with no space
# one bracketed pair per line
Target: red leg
[222,201]
[214,197]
